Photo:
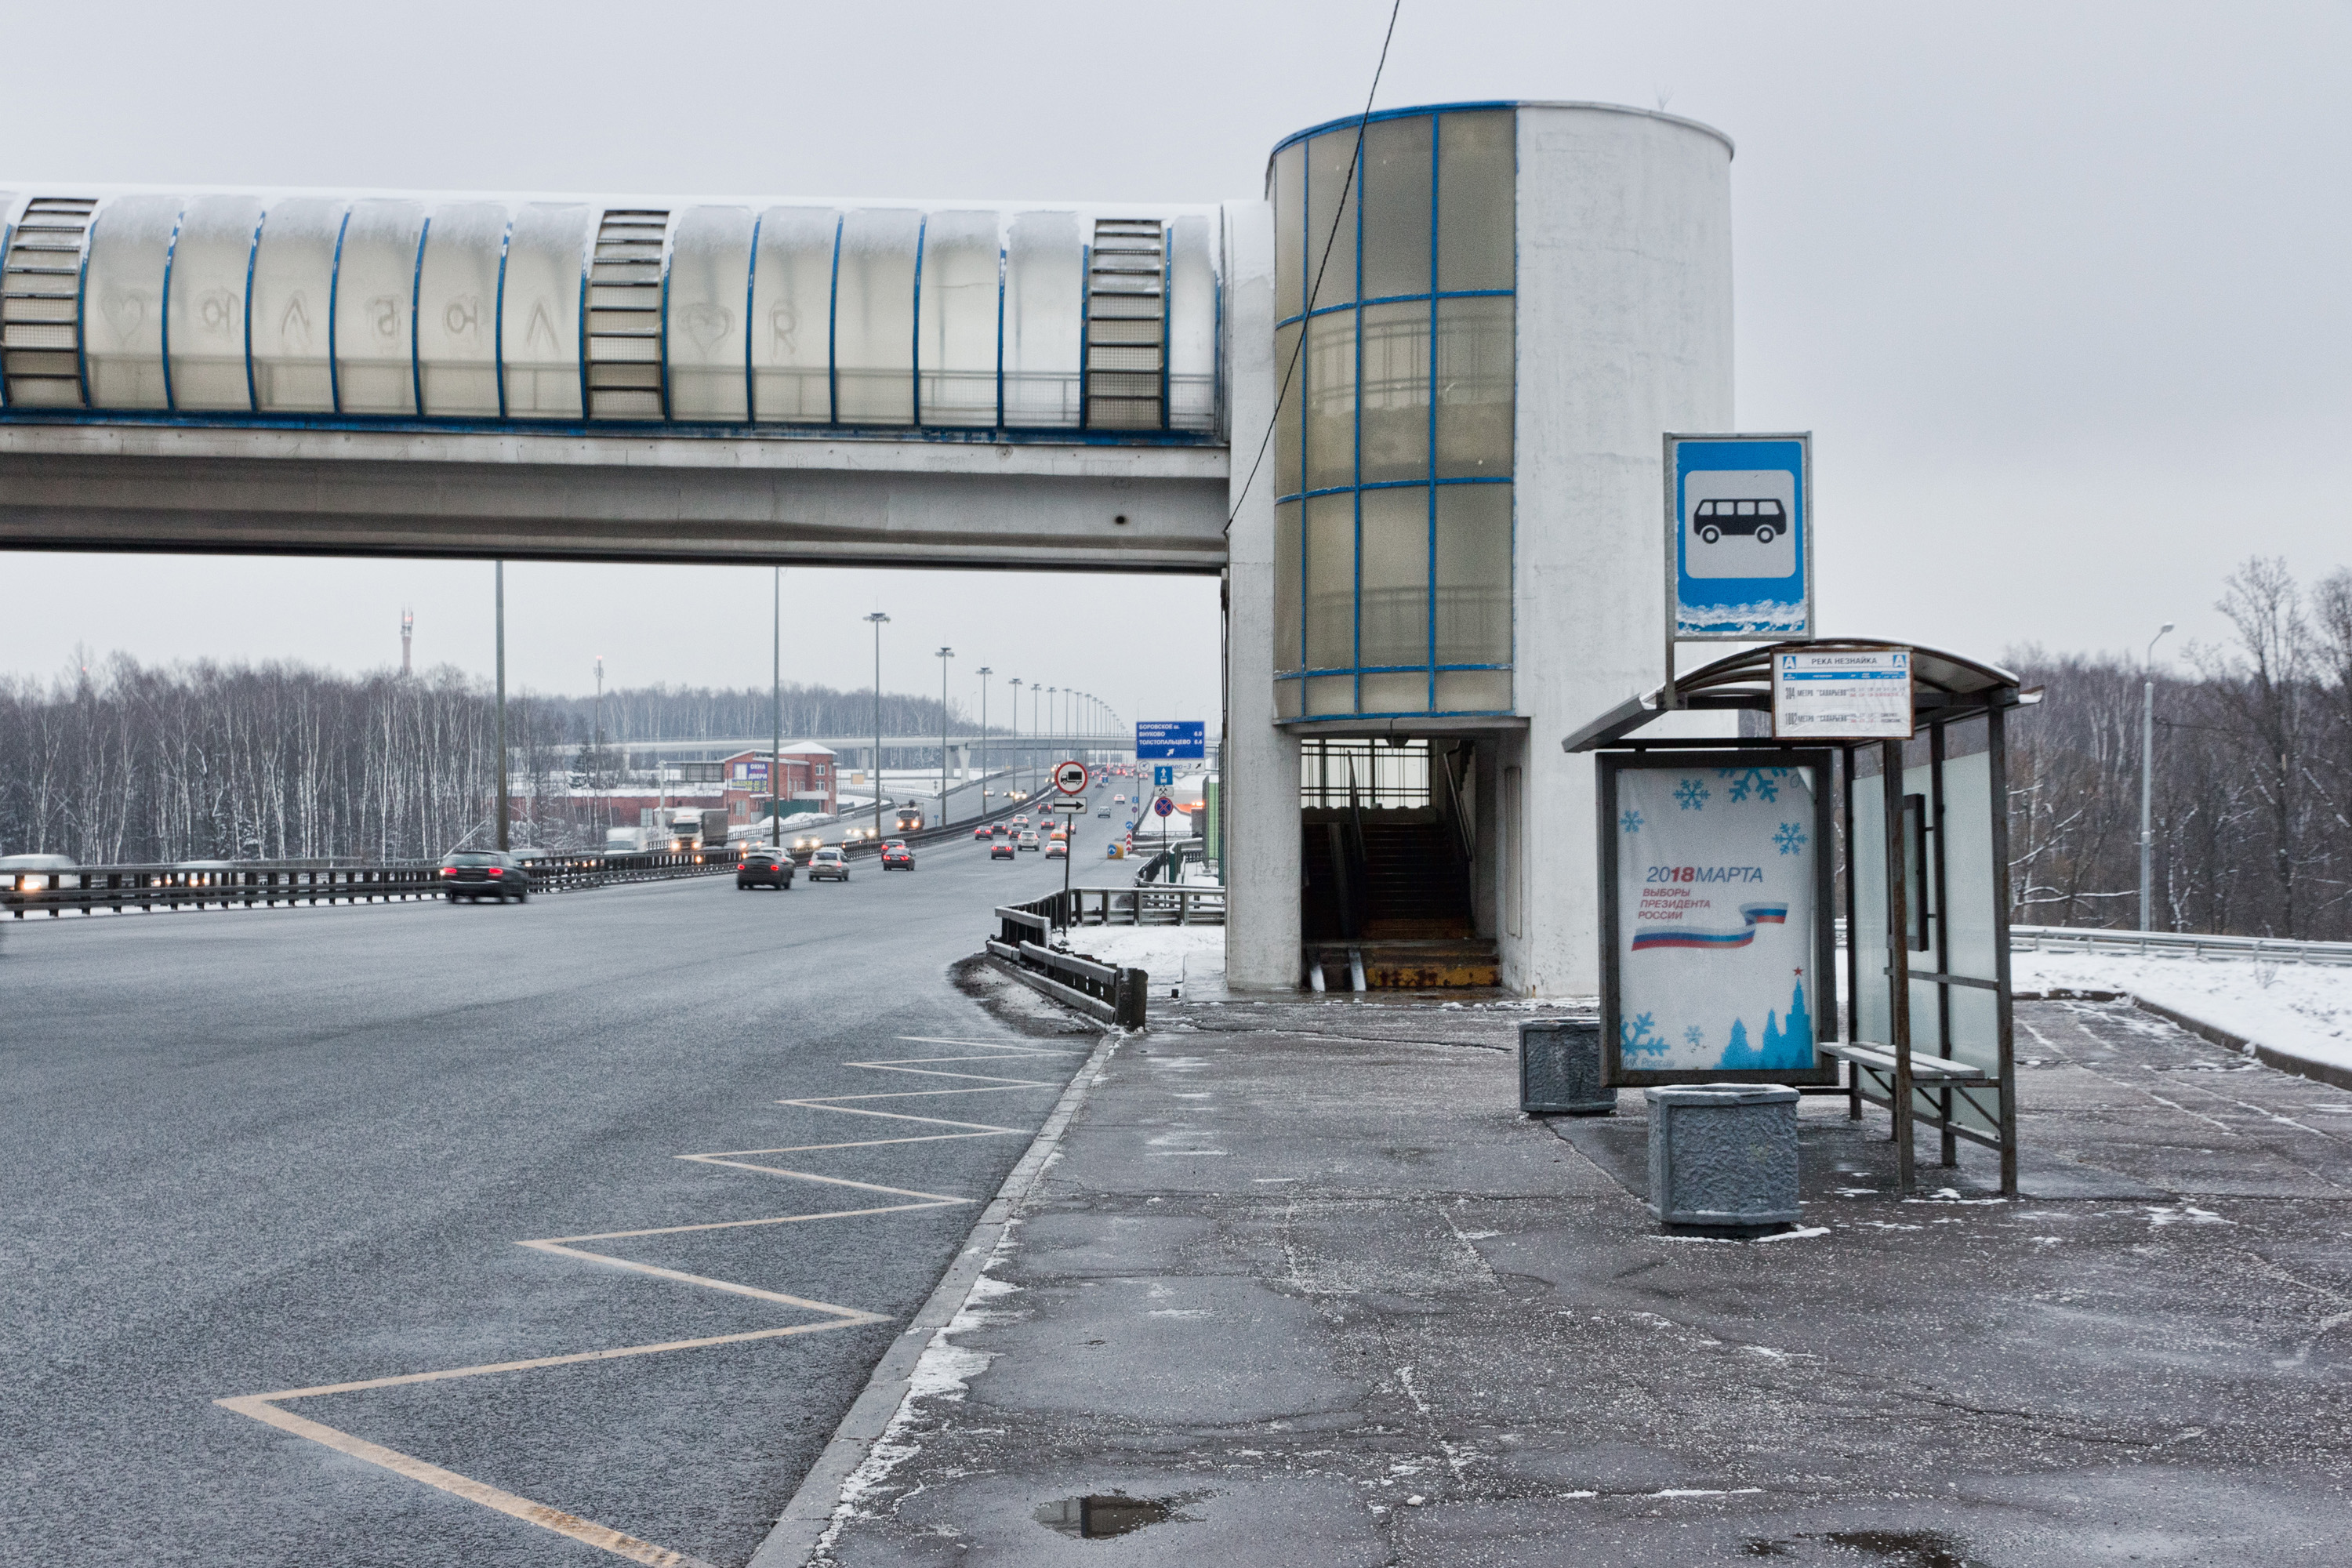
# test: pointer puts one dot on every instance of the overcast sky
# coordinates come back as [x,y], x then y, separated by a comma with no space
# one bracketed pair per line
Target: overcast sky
[2061,290]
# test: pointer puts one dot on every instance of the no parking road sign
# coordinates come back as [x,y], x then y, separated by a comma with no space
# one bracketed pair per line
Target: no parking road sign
[1164,807]
[1070,777]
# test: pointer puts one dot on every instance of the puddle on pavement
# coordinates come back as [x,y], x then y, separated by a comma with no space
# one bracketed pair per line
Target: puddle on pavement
[1104,1514]
[1894,1548]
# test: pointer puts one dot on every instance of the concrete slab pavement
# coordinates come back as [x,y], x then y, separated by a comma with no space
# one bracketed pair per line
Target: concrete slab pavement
[1303,1288]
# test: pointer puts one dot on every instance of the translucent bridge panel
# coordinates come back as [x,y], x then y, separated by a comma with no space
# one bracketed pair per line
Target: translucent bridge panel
[874,318]
[293,279]
[707,302]
[122,302]
[1192,326]
[539,330]
[205,313]
[792,315]
[1044,321]
[957,347]
[457,309]
[375,293]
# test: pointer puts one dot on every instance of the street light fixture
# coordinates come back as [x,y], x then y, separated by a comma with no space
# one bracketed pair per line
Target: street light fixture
[878,620]
[2148,767]
[984,672]
[945,654]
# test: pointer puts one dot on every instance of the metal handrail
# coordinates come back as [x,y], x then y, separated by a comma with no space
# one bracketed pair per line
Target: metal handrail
[268,884]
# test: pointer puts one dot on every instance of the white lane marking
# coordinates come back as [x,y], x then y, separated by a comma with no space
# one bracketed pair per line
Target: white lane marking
[267,1407]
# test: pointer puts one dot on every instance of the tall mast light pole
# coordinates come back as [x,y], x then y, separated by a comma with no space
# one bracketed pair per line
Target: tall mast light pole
[2147,768]
[878,620]
[945,654]
[984,672]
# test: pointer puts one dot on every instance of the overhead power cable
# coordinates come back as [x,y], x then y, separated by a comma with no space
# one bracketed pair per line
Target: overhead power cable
[1315,293]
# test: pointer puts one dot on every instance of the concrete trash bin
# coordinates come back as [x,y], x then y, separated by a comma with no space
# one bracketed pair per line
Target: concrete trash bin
[1559,1068]
[1723,1156]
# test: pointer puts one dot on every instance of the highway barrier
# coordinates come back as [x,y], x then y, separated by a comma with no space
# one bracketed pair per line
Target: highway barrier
[272,884]
[1102,991]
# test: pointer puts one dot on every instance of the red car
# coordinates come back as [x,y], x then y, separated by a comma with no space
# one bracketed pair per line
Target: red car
[898,858]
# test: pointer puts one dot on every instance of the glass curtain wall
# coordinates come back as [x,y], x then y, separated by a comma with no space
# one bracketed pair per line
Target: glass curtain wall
[1394,276]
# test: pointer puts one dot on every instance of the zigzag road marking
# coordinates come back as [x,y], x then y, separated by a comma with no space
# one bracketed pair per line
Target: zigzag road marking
[266,1407]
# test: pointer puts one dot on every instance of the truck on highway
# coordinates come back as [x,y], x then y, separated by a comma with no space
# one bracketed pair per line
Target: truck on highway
[910,819]
[691,829]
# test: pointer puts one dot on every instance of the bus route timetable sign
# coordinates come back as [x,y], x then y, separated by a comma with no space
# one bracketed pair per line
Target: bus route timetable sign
[1170,740]
[1739,537]
[1842,694]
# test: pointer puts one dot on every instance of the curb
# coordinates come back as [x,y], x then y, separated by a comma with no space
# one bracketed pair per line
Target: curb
[2269,1056]
[793,1540]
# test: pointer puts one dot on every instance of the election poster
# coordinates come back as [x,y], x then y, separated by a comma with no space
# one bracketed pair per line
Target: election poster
[1720,894]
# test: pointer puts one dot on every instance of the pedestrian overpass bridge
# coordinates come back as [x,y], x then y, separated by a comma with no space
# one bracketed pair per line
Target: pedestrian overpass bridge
[1406,397]
[635,380]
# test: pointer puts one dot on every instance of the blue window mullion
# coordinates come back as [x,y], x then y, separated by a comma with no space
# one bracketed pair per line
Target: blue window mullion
[1356,420]
[334,284]
[252,254]
[915,348]
[833,355]
[1436,130]
[498,321]
[416,327]
[750,286]
[170,253]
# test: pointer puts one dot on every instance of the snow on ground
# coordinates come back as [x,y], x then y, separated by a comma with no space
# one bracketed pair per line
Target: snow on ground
[2303,1009]
[1191,957]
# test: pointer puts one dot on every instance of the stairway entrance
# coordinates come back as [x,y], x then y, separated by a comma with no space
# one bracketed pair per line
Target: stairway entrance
[1390,843]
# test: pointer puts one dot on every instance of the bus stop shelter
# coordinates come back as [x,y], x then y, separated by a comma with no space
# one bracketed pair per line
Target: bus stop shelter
[1923,890]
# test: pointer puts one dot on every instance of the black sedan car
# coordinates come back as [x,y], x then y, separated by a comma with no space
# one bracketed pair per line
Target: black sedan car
[485,874]
[1001,849]
[898,858]
[763,867]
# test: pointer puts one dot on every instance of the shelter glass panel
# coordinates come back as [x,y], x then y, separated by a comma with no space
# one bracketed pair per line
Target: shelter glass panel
[457,309]
[1394,626]
[1395,371]
[1473,574]
[1289,440]
[1396,692]
[1287,192]
[1477,175]
[375,291]
[1865,859]
[1397,207]
[1329,372]
[210,262]
[1473,692]
[791,316]
[1331,584]
[1044,321]
[1331,200]
[1290,561]
[122,302]
[706,305]
[1474,371]
[962,269]
[1971,885]
[538,318]
[293,277]
[1192,325]
[1330,694]
[874,318]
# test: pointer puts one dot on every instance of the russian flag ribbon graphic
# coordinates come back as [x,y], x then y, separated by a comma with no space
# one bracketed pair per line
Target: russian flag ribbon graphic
[1751,916]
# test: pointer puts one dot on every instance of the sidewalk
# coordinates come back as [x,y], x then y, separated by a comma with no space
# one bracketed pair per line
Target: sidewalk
[1300,1287]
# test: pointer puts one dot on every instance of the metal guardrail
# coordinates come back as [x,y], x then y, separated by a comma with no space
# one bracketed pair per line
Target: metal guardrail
[1100,989]
[271,884]
[2175,944]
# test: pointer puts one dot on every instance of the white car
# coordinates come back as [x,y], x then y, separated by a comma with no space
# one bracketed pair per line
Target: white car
[1027,841]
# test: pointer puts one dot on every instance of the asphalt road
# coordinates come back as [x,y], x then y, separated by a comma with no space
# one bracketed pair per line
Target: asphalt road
[256,1151]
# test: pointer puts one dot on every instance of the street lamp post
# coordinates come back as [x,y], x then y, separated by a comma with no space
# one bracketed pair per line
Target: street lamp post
[984,672]
[878,620]
[1016,769]
[2147,768]
[945,654]
[776,682]
[499,581]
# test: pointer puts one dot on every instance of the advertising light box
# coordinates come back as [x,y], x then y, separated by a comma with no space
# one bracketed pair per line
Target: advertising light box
[1718,946]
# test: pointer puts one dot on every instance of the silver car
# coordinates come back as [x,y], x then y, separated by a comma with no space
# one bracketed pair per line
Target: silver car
[828,864]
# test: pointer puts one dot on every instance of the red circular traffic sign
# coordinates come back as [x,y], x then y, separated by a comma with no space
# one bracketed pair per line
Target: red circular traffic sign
[1164,807]
[1070,777]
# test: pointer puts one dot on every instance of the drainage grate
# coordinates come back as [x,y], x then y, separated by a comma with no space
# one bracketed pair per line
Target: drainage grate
[40,329]
[624,300]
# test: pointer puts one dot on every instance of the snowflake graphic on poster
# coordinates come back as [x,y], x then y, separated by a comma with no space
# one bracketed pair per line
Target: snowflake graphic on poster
[1691,795]
[1631,820]
[1791,838]
[1693,1036]
[1763,783]
[1634,1039]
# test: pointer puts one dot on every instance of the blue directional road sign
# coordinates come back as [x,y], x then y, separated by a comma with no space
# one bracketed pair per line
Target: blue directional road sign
[1739,537]
[1162,776]
[1175,740]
